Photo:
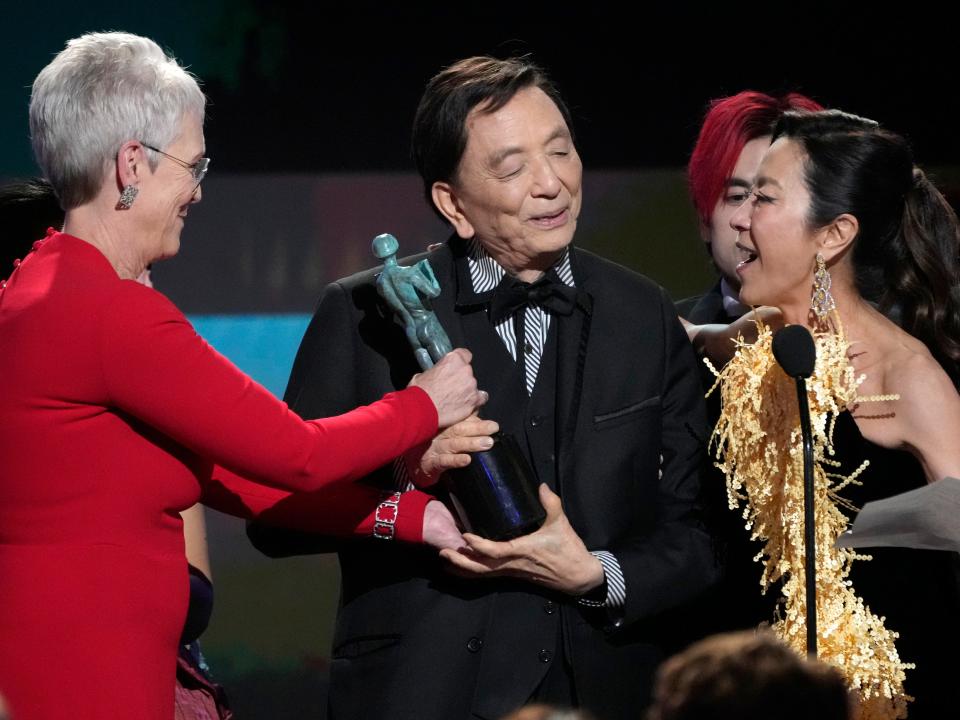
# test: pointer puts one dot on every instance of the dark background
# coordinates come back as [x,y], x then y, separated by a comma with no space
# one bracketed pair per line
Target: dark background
[305,98]
[308,125]
[303,87]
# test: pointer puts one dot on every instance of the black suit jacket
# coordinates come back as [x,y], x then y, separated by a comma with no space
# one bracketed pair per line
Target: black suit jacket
[705,309]
[411,640]
[734,603]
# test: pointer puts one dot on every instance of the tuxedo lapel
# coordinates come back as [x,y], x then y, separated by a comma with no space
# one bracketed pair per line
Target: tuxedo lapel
[493,366]
[463,322]
[573,337]
[442,261]
[709,308]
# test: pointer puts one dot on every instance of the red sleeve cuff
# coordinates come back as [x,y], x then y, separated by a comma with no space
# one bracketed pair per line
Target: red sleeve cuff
[412,505]
[419,409]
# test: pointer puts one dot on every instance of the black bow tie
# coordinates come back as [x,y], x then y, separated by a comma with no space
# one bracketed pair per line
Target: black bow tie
[548,292]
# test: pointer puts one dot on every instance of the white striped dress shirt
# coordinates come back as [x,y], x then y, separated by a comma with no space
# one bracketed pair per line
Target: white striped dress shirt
[485,274]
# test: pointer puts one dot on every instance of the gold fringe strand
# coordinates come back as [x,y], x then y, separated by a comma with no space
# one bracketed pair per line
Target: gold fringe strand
[758,446]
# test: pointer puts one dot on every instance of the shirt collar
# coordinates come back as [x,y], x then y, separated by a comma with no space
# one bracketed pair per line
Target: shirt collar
[731,300]
[486,273]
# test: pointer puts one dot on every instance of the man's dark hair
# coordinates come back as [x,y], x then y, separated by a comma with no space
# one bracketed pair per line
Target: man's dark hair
[439,127]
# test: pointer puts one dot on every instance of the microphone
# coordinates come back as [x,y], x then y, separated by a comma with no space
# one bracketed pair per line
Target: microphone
[795,351]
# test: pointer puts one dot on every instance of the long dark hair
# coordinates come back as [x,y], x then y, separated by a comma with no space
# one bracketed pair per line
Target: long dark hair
[905,256]
[27,209]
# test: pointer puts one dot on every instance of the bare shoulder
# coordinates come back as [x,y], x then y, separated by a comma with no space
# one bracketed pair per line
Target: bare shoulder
[925,416]
[912,372]
[891,361]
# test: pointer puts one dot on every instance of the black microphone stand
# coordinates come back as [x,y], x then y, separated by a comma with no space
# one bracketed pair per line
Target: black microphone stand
[809,527]
[795,350]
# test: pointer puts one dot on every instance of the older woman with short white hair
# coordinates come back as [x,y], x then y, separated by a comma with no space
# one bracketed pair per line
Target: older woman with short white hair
[115,412]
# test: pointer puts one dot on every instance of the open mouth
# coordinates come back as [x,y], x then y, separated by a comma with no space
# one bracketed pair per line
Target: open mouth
[748,255]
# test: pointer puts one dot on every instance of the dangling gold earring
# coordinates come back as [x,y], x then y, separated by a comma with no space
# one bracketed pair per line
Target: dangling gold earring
[822,301]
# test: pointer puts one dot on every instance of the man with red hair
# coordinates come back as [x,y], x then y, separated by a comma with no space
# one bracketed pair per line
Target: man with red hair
[735,134]
[723,166]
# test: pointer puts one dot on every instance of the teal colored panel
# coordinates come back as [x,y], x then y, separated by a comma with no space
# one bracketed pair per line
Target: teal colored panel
[263,346]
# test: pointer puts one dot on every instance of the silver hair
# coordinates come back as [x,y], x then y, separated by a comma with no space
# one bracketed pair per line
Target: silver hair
[99,92]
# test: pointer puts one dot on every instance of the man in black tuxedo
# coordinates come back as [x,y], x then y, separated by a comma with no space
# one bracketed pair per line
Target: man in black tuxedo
[592,373]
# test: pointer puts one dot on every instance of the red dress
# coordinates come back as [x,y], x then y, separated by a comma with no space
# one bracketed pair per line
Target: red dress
[111,414]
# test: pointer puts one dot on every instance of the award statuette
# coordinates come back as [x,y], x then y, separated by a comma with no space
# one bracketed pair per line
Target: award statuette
[495,496]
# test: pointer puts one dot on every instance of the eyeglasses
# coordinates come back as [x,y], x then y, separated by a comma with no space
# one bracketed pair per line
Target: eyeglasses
[197,169]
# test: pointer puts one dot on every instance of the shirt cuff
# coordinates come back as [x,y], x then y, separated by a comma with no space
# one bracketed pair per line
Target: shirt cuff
[616,595]
[402,479]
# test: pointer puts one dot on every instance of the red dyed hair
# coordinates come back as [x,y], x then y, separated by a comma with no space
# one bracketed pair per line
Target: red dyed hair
[731,123]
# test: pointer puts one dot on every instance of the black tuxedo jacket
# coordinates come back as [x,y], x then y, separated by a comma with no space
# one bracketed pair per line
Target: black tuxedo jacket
[735,602]
[411,640]
[705,309]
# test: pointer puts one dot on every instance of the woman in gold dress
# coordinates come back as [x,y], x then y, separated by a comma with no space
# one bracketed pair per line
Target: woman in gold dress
[844,235]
